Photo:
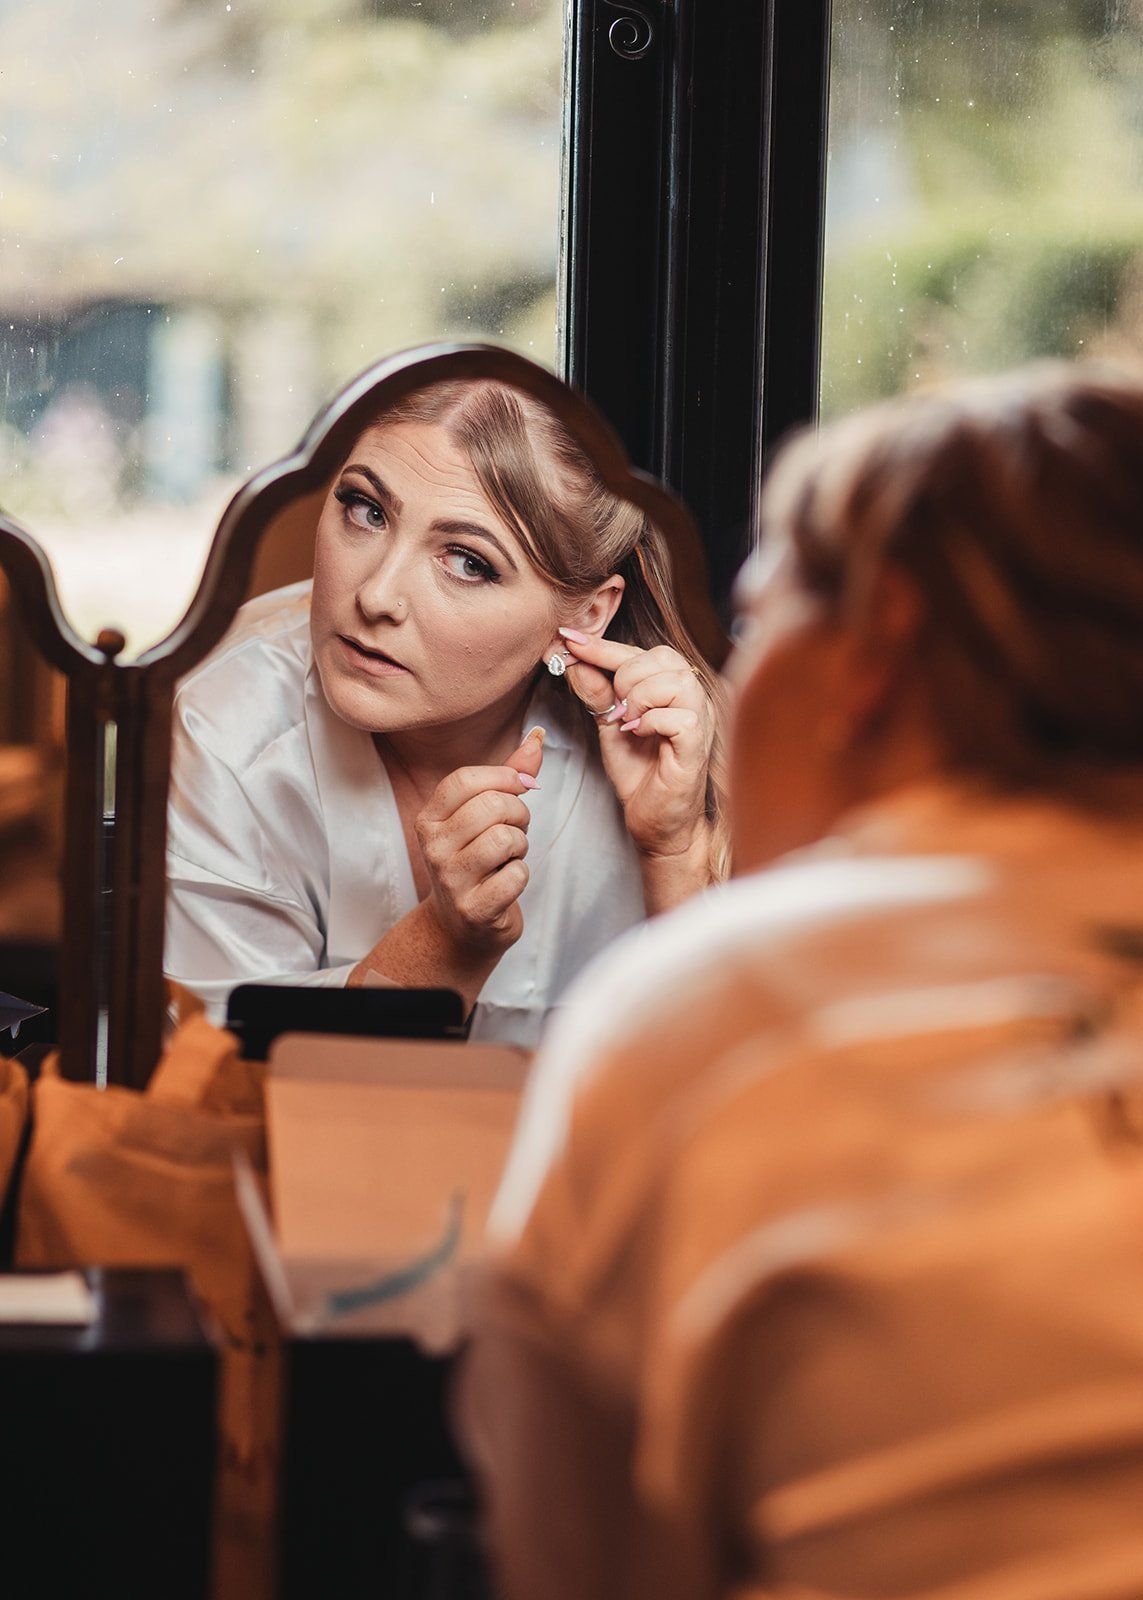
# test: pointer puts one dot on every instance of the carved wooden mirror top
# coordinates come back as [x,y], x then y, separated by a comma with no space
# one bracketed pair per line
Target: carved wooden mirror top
[119,713]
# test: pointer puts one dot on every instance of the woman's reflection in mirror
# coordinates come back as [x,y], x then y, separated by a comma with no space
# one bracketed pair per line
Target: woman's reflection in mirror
[474,750]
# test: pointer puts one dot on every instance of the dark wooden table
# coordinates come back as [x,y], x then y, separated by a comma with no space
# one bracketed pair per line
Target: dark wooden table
[107,1448]
[366,1427]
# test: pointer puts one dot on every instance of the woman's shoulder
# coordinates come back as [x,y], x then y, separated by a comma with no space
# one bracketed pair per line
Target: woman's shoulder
[750,926]
[747,961]
[277,622]
[250,689]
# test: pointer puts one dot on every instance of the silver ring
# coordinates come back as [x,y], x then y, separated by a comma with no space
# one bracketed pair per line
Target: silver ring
[601,715]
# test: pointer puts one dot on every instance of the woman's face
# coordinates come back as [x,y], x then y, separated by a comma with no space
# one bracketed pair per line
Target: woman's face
[426,608]
[786,674]
[828,715]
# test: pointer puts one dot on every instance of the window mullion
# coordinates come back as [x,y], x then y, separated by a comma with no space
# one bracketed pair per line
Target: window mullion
[696,184]
[619,66]
[797,131]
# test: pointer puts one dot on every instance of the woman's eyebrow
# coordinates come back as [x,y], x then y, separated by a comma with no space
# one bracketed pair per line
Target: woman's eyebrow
[471,530]
[383,492]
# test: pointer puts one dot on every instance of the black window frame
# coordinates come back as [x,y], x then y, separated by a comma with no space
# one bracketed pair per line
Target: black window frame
[695,194]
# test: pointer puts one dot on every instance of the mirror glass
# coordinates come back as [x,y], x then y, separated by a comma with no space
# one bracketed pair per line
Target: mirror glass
[340,757]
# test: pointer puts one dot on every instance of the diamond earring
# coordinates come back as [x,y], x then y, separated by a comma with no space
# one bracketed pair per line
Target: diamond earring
[557,665]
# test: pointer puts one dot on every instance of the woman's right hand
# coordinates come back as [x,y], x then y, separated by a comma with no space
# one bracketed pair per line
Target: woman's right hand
[473,835]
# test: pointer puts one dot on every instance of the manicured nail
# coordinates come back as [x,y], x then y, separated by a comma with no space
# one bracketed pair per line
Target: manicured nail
[534,735]
[528,781]
[619,713]
[629,727]
[575,635]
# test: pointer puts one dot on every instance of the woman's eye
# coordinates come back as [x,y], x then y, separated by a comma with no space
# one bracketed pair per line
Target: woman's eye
[469,566]
[361,511]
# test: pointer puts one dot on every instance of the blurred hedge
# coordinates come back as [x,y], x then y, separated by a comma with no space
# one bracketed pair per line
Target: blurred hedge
[956,295]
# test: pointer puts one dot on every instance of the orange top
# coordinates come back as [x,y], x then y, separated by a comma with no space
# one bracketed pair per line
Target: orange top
[821,1268]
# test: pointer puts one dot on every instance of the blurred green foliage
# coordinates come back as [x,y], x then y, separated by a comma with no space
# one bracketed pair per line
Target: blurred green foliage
[957,297]
[1009,136]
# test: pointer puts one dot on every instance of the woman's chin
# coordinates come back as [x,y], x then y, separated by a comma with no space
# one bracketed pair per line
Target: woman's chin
[373,705]
[398,701]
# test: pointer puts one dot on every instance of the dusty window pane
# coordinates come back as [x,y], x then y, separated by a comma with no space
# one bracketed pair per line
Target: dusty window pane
[213,214]
[985,197]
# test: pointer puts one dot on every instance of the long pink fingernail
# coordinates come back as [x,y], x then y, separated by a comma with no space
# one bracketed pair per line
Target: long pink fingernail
[619,712]
[575,635]
[528,781]
[629,727]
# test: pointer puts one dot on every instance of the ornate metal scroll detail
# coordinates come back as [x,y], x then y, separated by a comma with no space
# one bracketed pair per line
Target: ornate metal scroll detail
[632,34]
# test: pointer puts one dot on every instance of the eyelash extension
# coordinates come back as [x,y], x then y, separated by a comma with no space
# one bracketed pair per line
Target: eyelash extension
[489,572]
[349,497]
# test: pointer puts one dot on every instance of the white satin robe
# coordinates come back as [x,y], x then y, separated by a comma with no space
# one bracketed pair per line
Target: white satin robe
[286,857]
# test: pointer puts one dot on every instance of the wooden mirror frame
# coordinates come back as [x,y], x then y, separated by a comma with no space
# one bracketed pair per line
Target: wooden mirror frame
[112,995]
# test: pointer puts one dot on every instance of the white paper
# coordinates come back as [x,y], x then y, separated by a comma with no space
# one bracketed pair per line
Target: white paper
[56,1299]
[13,1012]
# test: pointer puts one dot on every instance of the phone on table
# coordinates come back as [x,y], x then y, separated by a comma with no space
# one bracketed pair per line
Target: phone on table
[259,1012]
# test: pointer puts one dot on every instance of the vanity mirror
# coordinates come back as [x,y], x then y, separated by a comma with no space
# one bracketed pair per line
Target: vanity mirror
[477,600]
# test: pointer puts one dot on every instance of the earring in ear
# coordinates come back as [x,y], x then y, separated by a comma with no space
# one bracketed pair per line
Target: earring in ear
[557,664]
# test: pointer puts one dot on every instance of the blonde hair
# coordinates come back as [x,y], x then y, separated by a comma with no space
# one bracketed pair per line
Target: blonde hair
[576,530]
[1016,507]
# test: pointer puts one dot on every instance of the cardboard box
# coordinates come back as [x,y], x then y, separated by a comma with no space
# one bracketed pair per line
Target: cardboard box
[385,1156]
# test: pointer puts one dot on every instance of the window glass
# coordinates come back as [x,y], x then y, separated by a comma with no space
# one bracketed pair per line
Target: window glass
[985,193]
[213,214]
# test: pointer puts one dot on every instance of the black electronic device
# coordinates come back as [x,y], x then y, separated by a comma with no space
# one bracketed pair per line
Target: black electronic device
[259,1012]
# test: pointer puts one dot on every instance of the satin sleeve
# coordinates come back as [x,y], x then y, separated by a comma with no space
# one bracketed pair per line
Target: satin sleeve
[238,907]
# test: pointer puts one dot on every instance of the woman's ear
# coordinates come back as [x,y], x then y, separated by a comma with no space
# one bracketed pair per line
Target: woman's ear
[594,614]
[882,652]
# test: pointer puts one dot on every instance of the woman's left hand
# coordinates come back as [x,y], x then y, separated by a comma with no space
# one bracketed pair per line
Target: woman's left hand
[656,741]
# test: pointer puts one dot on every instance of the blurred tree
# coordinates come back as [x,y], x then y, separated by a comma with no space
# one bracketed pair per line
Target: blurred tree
[986,187]
[291,188]
[394,177]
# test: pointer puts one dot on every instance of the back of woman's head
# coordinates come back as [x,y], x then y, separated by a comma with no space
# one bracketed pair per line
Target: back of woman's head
[1015,506]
